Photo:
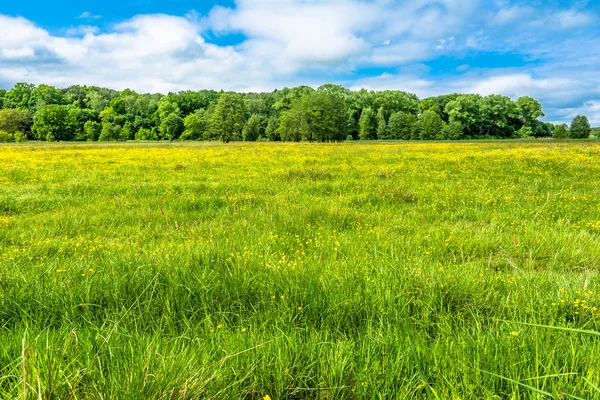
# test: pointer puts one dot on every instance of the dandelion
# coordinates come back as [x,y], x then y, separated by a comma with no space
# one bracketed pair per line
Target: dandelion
[299,308]
[244,330]
[514,333]
[219,326]
[267,397]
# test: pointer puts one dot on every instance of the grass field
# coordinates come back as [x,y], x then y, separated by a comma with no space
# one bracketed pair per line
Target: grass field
[342,271]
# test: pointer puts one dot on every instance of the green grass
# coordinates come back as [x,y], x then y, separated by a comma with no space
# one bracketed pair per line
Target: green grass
[298,271]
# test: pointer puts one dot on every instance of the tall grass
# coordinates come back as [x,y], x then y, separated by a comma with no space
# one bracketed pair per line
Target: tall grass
[373,271]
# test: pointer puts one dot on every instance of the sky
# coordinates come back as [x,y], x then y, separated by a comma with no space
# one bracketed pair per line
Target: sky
[546,49]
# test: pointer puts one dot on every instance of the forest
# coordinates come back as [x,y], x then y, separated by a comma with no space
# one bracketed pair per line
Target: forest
[326,114]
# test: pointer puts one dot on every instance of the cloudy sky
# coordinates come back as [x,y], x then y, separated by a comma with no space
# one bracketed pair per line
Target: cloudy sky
[546,49]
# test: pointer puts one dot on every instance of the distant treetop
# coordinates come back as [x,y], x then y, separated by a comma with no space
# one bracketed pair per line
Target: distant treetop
[329,113]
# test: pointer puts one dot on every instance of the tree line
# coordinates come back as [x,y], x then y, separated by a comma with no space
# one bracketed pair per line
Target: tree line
[328,113]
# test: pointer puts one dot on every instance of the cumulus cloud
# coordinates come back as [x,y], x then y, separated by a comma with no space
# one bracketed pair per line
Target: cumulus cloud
[283,38]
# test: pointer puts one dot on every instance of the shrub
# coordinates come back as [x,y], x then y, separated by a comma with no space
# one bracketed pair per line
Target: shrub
[6,137]
[20,137]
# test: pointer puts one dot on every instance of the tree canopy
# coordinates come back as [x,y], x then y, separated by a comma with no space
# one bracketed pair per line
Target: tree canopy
[328,113]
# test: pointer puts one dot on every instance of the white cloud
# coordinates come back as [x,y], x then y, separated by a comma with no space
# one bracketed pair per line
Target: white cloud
[573,18]
[88,15]
[282,38]
[591,109]
[19,32]
[82,30]
[17,53]
[446,44]
[521,84]
[299,33]
[511,14]
[147,53]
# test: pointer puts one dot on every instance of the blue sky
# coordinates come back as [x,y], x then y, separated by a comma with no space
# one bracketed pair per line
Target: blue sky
[546,49]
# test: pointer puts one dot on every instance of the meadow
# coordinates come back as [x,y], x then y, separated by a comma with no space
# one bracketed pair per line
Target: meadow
[300,271]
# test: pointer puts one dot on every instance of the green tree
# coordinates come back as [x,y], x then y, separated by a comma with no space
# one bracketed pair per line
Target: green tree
[453,131]
[111,132]
[580,128]
[91,131]
[171,127]
[15,120]
[530,110]
[229,117]
[497,115]
[43,95]
[81,116]
[194,126]
[128,132]
[255,128]
[368,124]
[401,125]
[382,132]
[18,96]
[54,122]
[464,109]
[292,123]
[2,94]
[166,107]
[326,115]
[111,115]
[272,131]
[430,125]
[98,99]
[394,100]
[430,104]
[561,131]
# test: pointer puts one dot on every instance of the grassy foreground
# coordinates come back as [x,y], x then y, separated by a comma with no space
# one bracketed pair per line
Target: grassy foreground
[342,271]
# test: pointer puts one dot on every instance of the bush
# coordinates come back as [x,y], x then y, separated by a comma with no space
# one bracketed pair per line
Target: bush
[20,137]
[146,134]
[6,137]
[525,132]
